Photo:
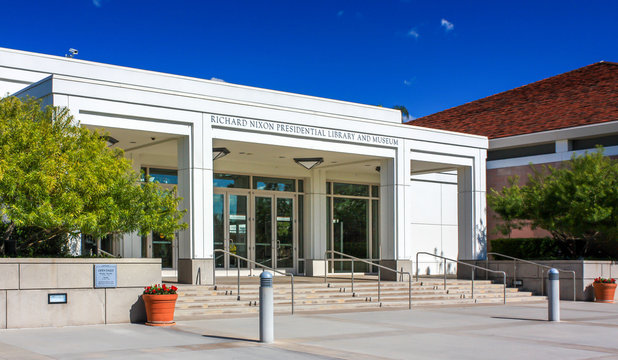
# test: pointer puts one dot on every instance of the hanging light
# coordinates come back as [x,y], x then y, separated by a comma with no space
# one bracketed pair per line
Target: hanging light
[309,163]
[111,141]
[218,153]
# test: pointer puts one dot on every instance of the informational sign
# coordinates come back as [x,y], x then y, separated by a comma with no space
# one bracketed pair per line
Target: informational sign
[57,298]
[302,130]
[105,275]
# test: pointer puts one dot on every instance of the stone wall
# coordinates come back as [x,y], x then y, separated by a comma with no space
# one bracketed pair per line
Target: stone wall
[530,275]
[26,283]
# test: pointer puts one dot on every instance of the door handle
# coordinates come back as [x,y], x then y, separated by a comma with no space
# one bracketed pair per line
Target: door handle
[278,244]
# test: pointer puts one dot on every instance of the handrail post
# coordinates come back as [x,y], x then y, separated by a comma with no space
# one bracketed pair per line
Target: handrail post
[472,290]
[444,270]
[504,289]
[292,287]
[514,271]
[214,270]
[409,291]
[416,267]
[325,266]
[542,282]
[487,267]
[379,283]
[238,280]
[352,277]
[574,292]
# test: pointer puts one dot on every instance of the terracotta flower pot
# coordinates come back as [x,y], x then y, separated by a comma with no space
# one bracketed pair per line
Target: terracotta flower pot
[604,292]
[160,309]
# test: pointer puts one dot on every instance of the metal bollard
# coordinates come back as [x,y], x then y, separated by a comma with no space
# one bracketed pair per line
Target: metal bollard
[267,331]
[553,295]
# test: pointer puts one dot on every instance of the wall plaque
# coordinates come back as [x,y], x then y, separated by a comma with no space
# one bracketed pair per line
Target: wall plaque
[105,276]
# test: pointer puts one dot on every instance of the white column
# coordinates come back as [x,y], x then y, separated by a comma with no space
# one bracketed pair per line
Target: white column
[388,209]
[195,247]
[472,222]
[316,225]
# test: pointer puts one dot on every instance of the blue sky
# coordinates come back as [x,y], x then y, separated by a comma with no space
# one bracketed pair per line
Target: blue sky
[425,55]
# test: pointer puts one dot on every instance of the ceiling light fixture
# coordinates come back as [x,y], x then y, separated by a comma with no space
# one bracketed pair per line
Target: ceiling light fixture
[111,141]
[309,163]
[218,153]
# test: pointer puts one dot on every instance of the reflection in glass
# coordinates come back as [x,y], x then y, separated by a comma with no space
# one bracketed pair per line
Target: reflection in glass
[285,233]
[162,248]
[219,228]
[350,189]
[263,230]
[231,181]
[238,229]
[350,230]
[273,184]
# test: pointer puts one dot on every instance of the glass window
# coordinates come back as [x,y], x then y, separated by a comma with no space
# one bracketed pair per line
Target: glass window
[301,245]
[231,181]
[375,191]
[273,184]
[163,176]
[301,186]
[142,175]
[350,189]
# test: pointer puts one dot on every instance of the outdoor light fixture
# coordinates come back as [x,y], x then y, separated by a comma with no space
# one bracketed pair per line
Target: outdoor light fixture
[308,163]
[111,141]
[218,153]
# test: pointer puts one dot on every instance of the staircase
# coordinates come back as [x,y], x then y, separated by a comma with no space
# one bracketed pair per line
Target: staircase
[312,294]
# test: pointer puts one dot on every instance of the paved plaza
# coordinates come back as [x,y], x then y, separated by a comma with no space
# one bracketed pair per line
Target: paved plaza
[587,331]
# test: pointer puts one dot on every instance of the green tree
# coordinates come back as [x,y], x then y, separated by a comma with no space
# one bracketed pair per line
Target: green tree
[576,202]
[405,114]
[59,179]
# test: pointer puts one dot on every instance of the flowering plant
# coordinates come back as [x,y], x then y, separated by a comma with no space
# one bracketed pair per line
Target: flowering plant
[160,290]
[605,281]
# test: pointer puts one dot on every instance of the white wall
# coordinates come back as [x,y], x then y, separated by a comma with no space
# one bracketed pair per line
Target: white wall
[434,220]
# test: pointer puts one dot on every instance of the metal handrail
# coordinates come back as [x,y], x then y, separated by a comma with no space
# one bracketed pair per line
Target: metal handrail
[214,277]
[353,259]
[474,267]
[515,260]
[99,251]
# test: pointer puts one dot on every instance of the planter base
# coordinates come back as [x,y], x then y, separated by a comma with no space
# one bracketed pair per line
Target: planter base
[156,323]
[604,292]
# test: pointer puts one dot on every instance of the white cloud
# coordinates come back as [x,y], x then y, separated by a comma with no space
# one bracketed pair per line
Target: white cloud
[408,82]
[340,13]
[217,79]
[448,26]
[97,3]
[413,33]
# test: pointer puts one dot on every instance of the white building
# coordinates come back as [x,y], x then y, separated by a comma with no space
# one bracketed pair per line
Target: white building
[383,191]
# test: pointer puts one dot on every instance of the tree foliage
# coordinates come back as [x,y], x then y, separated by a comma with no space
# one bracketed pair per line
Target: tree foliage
[58,178]
[576,202]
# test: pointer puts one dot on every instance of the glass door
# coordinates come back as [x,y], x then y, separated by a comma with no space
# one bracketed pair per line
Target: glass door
[284,233]
[274,231]
[230,228]
[264,230]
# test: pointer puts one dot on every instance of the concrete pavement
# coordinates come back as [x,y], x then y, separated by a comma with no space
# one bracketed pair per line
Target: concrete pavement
[588,331]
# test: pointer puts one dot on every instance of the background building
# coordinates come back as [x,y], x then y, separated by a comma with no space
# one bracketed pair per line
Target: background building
[545,122]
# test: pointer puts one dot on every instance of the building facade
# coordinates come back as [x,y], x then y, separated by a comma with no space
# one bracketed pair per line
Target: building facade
[241,159]
[543,123]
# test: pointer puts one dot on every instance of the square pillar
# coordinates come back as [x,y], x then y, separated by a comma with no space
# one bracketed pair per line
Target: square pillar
[315,247]
[471,220]
[195,173]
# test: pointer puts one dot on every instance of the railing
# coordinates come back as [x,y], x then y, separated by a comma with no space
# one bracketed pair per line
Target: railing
[214,277]
[353,259]
[515,260]
[474,267]
[103,252]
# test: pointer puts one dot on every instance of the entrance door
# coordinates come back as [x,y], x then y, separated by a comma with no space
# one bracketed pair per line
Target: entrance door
[274,231]
[268,237]
[231,228]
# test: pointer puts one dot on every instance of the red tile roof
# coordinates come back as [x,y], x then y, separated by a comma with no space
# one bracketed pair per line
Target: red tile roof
[588,95]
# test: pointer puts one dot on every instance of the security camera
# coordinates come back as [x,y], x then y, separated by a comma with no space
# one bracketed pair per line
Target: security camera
[73,51]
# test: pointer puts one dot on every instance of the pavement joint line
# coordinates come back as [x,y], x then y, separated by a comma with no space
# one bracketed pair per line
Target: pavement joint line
[558,344]
[323,351]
